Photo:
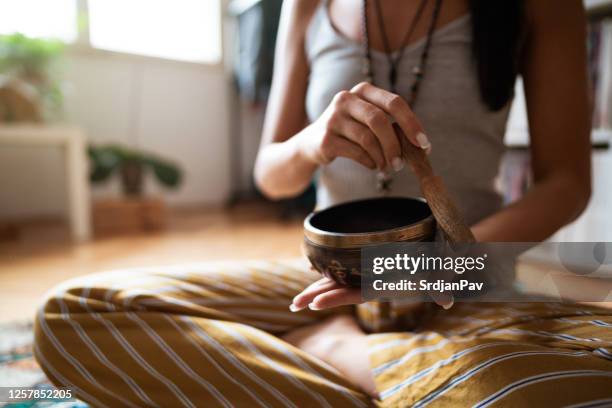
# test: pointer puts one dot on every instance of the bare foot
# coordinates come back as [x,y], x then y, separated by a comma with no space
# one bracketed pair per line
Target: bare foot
[340,342]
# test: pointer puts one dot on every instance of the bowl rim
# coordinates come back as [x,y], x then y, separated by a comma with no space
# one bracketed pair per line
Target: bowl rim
[319,237]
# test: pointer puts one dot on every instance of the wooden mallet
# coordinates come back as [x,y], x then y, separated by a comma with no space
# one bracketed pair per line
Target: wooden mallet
[442,206]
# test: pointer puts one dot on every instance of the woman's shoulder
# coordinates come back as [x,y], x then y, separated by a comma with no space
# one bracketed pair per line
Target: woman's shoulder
[300,12]
[296,19]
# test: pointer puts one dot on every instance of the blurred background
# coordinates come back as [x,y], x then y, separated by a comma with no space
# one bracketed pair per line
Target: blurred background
[129,129]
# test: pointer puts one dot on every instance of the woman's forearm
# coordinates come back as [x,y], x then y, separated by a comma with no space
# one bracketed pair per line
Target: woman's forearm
[282,170]
[548,206]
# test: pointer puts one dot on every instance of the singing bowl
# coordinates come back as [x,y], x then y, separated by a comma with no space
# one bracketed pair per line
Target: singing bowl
[334,237]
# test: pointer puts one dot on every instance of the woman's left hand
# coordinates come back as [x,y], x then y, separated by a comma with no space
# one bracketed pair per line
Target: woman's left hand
[325,294]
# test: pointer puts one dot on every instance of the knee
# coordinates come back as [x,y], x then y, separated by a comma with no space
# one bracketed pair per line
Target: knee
[52,321]
[59,301]
[61,314]
[80,296]
[52,311]
[47,327]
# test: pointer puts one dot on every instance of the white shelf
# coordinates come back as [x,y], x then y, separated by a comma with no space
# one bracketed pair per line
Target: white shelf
[73,141]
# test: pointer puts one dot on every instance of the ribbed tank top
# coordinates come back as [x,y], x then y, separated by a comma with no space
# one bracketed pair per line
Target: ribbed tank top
[467,137]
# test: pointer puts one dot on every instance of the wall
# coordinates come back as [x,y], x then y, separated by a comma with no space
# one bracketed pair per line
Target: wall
[176,109]
[249,133]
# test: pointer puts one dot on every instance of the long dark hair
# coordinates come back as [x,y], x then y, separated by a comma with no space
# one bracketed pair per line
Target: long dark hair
[498,31]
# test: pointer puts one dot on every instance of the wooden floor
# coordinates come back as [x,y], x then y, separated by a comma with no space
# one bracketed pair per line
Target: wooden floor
[44,257]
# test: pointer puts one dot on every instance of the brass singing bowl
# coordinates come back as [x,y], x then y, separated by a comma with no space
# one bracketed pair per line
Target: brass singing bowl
[334,237]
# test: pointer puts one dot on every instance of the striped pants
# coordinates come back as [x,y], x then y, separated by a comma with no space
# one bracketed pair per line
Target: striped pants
[204,336]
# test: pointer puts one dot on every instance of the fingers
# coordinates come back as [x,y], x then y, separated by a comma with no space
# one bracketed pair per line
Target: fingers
[304,298]
[378,123]
[362,141]
[398,108]
[444,299]
[364,116]
[336,297]
[324,294]
[346,148]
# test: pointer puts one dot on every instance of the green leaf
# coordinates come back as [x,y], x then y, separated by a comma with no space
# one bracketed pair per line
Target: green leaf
[104,160]
[28,55]
[167,173]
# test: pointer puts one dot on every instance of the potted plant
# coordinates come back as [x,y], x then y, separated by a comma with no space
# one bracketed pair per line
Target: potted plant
[131,165]
[31,62]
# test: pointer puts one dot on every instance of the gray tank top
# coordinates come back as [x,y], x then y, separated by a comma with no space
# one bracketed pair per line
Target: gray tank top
[467,137]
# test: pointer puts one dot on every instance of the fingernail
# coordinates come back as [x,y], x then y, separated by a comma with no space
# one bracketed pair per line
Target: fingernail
[294,308]
[423,142]
[397,163]
[312,306]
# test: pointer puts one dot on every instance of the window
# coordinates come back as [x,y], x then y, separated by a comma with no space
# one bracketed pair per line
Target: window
[188,30]
[40,18]
[177,29]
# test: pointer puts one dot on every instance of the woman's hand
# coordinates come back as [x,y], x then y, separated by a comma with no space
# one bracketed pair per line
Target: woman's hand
[325,294]
[358,125]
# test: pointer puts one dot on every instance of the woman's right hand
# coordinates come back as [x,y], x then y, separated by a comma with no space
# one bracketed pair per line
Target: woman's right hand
[358,124]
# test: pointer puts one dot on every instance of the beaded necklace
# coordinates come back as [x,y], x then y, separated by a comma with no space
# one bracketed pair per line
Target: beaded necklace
[385,180]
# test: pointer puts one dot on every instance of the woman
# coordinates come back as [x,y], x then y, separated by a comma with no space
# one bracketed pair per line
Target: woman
[345,71]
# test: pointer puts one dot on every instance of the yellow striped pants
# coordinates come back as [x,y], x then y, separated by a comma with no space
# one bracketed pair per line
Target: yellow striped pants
[205,336]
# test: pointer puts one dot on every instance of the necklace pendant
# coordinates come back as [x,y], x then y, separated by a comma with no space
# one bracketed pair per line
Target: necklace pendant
[383,182]
[417,70]
[393,78]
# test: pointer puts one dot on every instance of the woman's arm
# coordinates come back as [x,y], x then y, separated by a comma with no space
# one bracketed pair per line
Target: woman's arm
[357,124]
[280,169]
[555,79]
